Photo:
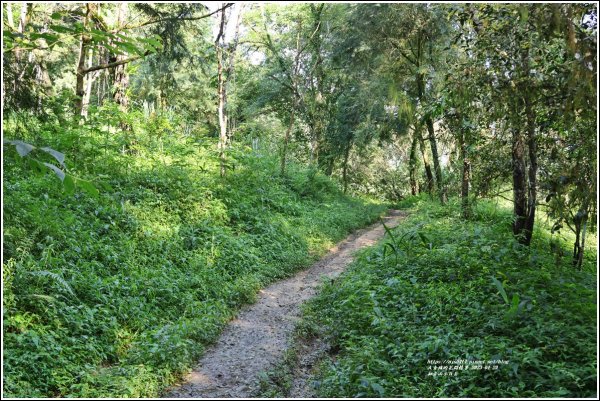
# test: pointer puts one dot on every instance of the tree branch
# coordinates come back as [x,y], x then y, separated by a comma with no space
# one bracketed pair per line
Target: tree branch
[113,64]
[403,53]
[156,21]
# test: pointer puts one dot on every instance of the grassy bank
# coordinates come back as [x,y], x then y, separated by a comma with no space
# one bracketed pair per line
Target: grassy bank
[444,289]
[117,296]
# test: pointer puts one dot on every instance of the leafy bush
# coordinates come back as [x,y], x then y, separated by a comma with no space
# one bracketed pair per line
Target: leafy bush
[116,296]
[440,288]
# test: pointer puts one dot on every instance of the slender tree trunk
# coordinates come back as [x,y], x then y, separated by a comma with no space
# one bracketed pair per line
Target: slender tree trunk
[412,166]
[84,42]
[9,16]
[286,139]
[345,167]
[436,161]
[525,183]
[432,141]
[223,75]
[329,165]
[428,172]
[23,22]
[314,152]
[519,185]
[20,65]
[99,91]
[221,96]
[577,245]
[582,247]
[466,176]
[230,73]
[121,82]
[121,78]
[532,171]
[221,110]
[319,75]
[580,220]
[88,88]
[295,95]
[42,76]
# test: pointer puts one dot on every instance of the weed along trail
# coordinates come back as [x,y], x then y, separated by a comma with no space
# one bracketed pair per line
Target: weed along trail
[258,337]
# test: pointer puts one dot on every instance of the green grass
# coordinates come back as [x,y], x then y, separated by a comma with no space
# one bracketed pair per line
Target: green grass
[436,292]
[118,296]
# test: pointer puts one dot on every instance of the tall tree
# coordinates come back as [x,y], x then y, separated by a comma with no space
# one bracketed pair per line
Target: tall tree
[412,38]
[225,68]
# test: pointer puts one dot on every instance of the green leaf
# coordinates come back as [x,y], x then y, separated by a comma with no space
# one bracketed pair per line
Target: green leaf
[60,157]
[88,187]
[23,148]
[129,47]
[515,301]
[36,165]
[378,389]
[8,35]
[154,42]
[57,15]
[59,173]
[62,29]
[47,36]
[110,48]
[69,184]
[44,297]
[514,307]
[56,278]
[424,239]
[500,287]
[102,33]
[388,232]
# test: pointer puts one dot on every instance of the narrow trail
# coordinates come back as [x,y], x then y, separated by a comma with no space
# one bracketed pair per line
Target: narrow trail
[257,338]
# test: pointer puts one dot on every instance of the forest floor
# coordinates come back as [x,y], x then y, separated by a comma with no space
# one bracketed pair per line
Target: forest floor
[259,337]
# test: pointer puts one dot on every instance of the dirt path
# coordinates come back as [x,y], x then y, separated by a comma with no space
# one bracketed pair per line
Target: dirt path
[257,338]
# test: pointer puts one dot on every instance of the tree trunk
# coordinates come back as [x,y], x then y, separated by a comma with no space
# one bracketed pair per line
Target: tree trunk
[223,76]
[412,166]
[121,78]
[582,247]
[525,186]
[329,163]
[88,88]
[121,82]
[221,110]
[286,139]
[466,176]
[519,185]
[42,76]
[580,220]
[319,75]
[84,42]
[9,16]
[23,22]
[426,164]
[436,160]
[221,96]
[231,71]
[345,167]
[432,141]
[296,103]
[532,171]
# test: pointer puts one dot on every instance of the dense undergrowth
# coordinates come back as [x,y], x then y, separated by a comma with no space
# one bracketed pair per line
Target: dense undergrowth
[439,288]
[116,296]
